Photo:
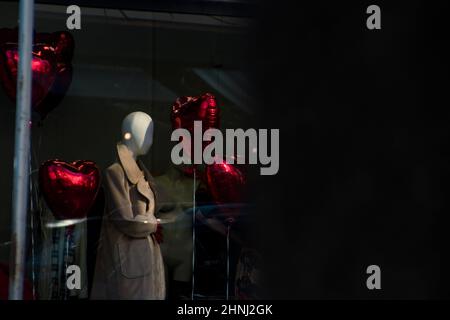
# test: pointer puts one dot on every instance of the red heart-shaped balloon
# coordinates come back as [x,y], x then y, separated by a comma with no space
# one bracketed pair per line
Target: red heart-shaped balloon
[69,189]
[203,108]
[51,65]
[63,46]
[186,110]
[44,71]
[226,184]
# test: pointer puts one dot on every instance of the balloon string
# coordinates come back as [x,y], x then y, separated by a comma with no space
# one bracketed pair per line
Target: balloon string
[228,260]
[69,258]
[66,263]
[193,242]
[72,246]
[34,206]
[34,162]
[32,210]
[55,264]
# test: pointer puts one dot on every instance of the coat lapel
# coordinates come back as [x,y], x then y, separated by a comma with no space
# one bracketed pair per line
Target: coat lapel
[149,179]
[134,173]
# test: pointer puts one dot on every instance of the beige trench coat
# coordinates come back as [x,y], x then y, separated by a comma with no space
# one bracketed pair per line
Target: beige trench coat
[129,262]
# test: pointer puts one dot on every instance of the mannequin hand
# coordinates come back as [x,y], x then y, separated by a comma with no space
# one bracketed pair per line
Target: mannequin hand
[159,232]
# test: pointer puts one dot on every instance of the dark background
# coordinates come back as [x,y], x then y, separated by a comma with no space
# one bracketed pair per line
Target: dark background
[364,164]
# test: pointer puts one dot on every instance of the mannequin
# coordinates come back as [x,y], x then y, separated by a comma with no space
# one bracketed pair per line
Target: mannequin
[129,261]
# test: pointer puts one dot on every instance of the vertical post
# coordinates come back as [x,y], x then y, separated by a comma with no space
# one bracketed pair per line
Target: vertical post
[21,150]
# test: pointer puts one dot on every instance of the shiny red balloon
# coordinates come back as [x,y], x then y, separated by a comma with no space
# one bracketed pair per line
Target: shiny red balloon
[225,181]
[188,109]
[44,72]
[51,65]
[69,189]
[203,108]
[226,185]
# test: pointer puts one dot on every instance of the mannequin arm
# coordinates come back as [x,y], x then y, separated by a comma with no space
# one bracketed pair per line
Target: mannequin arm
[121,214]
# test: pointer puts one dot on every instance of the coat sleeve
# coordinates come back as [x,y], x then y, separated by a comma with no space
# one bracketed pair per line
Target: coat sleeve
[121,212]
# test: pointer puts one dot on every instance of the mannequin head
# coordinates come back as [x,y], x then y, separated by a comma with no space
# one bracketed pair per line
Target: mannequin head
[137,133]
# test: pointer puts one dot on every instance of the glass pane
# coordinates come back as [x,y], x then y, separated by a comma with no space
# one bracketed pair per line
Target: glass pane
[127,61]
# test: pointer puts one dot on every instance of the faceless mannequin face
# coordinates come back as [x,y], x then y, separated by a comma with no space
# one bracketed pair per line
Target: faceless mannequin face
[137,133]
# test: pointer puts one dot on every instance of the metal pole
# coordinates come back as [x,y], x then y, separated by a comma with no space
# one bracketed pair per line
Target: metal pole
[21,150]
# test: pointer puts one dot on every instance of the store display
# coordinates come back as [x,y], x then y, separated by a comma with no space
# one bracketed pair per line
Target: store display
[129,261]
[131,236]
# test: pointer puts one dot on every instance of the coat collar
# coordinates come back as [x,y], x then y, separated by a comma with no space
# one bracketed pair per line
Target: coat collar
[130,166]
[136,172]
